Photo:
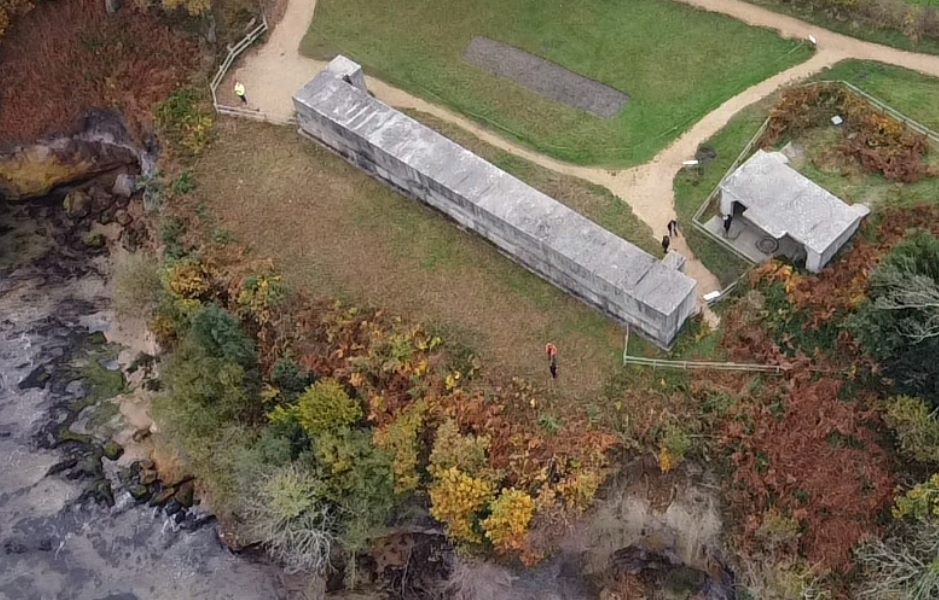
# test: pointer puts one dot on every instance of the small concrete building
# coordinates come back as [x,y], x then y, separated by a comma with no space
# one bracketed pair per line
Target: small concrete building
[801,217]
[536,231]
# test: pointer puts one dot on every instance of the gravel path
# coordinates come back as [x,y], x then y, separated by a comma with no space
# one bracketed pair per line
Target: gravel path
[276,70]
[549,79]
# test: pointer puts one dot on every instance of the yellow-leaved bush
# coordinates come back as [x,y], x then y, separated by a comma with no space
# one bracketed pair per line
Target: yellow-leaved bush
[454,449]
[455,499]
[673,447]
[259,295]
[916,428]
[579,488]
[463,484]
[401,440]
[921,502]
[185,284]
[510,515]
[323,407]
[187,279]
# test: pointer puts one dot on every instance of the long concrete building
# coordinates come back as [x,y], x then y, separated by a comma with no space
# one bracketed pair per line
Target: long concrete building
[567,249]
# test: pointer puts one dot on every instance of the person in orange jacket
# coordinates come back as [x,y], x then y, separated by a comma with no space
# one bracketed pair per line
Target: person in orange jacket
[552,352]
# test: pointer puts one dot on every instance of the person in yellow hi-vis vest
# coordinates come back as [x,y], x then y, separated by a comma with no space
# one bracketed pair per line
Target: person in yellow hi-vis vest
[240,92]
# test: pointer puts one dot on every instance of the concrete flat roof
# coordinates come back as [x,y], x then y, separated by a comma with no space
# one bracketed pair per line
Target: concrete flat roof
[781,201]
[612,258]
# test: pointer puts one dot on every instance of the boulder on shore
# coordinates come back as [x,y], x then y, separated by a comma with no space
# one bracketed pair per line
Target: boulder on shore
[123,186]
[184,494]
[77,204]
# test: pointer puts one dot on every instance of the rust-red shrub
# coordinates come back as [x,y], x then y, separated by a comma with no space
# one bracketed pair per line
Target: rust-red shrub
[878,142]
[808,446]
[67,57]
[817,458]
[802,108]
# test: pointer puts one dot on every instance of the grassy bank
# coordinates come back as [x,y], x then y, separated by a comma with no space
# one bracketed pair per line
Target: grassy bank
[676,64]
[908,92]
[336,232]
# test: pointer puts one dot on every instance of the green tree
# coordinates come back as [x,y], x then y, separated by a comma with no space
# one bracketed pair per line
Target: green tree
[222,336]
[289,379]
[358,479]
[899,324]
[212,389]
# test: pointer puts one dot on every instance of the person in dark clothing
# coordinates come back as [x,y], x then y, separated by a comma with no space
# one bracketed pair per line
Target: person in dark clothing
[665,242]
[673,228]
[728,219]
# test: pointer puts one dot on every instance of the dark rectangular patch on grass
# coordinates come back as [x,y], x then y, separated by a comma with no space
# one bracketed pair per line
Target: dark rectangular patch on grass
[547,78]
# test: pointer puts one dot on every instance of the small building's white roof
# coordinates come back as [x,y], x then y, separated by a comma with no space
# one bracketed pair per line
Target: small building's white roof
[782,201]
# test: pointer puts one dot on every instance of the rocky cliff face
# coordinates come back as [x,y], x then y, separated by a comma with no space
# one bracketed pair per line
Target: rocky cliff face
[102,147]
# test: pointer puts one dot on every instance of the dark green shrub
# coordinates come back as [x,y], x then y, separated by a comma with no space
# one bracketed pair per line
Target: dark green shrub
[222,336]
[358,479]
[211,389]
[184,183]
[289,379]
[287,435]
[171,234]
[899,324]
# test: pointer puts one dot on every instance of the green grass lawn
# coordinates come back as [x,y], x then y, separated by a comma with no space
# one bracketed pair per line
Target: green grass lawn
[913,94]
[676,63]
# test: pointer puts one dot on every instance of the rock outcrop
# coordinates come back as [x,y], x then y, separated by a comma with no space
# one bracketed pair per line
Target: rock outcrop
[32,171]
[102,146]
